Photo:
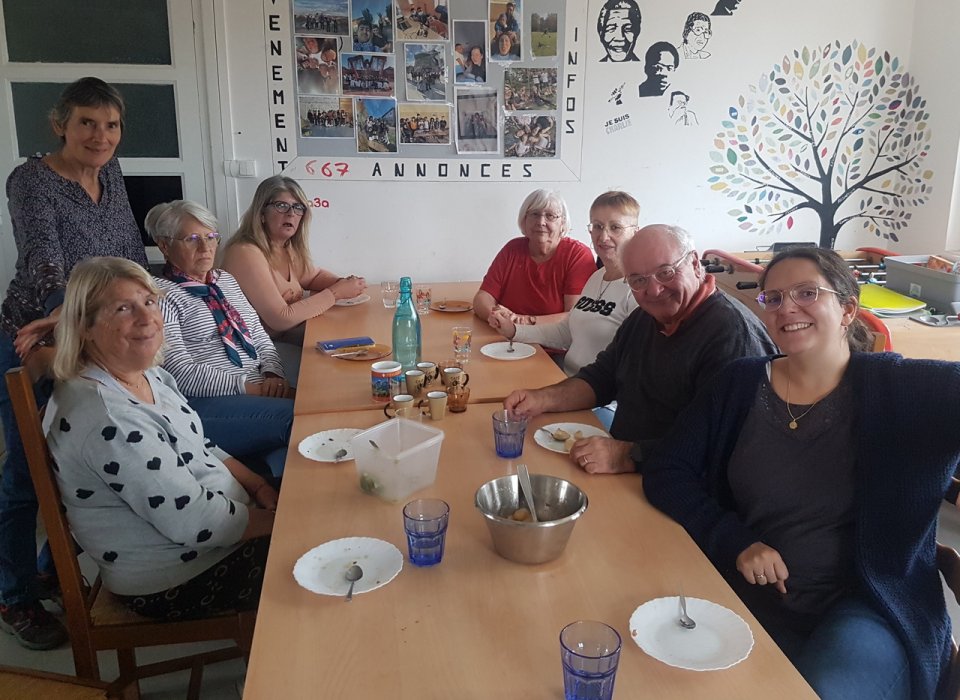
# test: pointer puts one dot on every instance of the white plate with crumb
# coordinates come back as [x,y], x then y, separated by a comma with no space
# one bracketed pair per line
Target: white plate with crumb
[545,440]
[328,445]
[361,299]
[322,569]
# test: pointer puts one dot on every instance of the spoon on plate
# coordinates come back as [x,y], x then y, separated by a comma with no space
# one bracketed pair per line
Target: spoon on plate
[354,574]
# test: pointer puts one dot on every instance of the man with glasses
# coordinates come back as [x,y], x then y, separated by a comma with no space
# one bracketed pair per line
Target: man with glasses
[696,35]
[683,333]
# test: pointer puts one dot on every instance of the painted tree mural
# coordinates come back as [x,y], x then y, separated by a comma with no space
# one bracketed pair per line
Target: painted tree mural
[840,131]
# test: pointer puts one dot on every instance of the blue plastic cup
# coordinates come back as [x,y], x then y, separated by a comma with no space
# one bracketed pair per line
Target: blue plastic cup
[590,653]
[425,522]
[509,432]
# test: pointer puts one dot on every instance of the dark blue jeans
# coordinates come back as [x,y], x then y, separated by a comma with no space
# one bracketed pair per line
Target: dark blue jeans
[18,500]
[248,426]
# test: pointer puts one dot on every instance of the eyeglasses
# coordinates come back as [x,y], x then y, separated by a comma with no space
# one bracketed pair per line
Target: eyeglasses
[285,207]
[196,239]
[614,229]
[803,294]
[701,30]
[548,215]
[664,275]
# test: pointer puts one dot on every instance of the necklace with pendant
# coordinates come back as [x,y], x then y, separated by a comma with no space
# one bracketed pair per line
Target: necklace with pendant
[604,288]
[793,419]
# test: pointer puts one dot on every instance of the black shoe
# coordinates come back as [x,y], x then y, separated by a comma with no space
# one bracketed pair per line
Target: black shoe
[32,625]
[47,587]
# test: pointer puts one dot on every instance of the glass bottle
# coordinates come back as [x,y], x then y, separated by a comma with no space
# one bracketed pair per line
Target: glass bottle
[407,344]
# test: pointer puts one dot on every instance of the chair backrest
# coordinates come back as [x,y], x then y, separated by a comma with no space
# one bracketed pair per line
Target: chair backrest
[42,468]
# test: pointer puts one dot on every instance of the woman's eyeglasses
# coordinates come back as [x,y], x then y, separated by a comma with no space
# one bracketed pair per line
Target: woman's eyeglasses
[803,294]
[285,207]
[548,215]
[664,275]
[613,229]
[195,240]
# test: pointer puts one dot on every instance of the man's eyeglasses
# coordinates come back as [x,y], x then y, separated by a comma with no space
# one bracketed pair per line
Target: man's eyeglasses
[664,275]
[701,30]
[196,239]
[548,215]
[614,229]
[803,294]
[285,207]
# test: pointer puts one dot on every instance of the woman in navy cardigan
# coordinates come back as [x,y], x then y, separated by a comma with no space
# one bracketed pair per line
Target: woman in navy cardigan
[813,481]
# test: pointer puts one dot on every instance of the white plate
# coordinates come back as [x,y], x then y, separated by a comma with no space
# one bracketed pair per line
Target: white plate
[322,569]
[500,351]
[362,299]
[721,639]
[323,446]
[544,440]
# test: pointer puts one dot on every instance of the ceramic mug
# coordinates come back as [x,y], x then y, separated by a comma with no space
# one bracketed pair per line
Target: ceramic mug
[416,381]
[437,404]
[401,405]
[454,376]
[430,369]
[385,377]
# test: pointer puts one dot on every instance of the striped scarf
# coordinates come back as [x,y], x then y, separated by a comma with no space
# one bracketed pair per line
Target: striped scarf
[230,324]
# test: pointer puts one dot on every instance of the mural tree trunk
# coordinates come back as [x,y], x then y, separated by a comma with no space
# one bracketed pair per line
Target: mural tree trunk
[840,131]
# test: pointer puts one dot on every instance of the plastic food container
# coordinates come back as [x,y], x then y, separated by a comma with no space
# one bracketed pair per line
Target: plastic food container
[909,275]
[396,458]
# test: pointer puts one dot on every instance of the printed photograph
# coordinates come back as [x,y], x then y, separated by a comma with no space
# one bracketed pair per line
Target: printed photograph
[422,19]
[477,121]
[505,31]
[469,52]
[425,69]
[529,89]
[371,25]
[543,35]
[425,124]
[318,64]
[321,16]
[530,137]
[326,117]
[376,125]
[368,74]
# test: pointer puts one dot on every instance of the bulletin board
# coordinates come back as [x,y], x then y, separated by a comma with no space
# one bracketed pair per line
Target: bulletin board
[337,114]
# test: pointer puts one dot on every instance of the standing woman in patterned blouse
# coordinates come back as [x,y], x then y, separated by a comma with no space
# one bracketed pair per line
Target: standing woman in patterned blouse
[65,206]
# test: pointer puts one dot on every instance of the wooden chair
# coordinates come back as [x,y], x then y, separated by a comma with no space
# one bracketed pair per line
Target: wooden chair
[948,561]
[96,620]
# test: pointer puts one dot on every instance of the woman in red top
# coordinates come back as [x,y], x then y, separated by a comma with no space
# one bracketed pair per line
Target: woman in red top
[539,276]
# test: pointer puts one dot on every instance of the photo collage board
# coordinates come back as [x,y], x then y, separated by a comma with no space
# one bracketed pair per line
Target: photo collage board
[480,77]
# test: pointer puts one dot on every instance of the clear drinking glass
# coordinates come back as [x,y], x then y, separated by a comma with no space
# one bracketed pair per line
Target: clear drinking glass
[462,335]
[423,297]
[389,291]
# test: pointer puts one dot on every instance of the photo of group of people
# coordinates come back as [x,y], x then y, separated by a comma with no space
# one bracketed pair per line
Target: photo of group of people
[348,55]
[425,124]
[426,71]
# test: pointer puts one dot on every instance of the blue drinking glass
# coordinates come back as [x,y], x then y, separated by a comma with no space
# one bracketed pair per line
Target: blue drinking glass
[509,432]
[590,653]
[425,522]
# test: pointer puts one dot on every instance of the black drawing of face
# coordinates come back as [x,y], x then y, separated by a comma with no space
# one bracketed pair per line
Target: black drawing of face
[661,72]
[619,27]
[725,7]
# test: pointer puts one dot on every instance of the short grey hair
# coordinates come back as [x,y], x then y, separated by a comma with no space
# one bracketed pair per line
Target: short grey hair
[680,236]
[165,220]
[541,199]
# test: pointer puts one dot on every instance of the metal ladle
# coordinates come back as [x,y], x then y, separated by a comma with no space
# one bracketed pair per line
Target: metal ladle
[354,574]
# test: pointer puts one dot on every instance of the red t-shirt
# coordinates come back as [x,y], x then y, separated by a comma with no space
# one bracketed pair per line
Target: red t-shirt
[530,288]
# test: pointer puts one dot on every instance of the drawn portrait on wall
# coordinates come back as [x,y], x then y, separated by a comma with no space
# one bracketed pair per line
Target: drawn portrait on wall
[422,19]
[425,124]
[372,25]
[425,70]
[376,125]
[679,110]
[505,34]
[696,35]
[659,63]
[543,35]
[368,74]
[318,65]
[477,121]
[530,89]
[326,117]
[321,16]
[725,7]
[469,52]
[530,137]
[618,25]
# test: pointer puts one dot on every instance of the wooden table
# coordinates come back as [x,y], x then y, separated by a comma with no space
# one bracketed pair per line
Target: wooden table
[912,339]
[478,626]
[329,384]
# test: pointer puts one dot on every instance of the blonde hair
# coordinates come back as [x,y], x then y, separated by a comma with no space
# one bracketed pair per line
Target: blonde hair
[251,225]
[619,201]
[89,283]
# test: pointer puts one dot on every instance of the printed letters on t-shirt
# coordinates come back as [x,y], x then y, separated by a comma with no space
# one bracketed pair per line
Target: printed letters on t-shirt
[596,306]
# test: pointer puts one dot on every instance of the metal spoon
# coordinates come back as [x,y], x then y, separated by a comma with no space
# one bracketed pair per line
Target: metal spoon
[510,347]
[685,620]
[354,574]
[527,490]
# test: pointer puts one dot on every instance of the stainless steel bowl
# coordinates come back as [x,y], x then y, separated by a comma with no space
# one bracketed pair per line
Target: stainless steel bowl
[559,504]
